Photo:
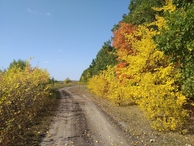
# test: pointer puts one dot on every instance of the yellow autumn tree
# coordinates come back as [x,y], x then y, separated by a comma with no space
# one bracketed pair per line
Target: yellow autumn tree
[154,79]
[148,79]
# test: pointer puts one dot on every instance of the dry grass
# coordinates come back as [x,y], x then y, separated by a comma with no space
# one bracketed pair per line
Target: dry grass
[134,123]
[61,84]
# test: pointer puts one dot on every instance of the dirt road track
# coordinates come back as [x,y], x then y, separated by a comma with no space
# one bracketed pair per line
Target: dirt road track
[79,122]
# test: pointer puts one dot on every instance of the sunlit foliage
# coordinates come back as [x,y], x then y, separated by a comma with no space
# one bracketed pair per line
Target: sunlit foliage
[22,94]
[145,74]
[176,40]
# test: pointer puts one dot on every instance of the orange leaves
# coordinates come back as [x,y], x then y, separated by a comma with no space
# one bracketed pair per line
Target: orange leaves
[119,41]
[122,65]
[123,45]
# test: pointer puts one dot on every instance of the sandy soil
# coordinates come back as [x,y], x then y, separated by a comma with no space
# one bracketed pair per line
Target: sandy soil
[79,122]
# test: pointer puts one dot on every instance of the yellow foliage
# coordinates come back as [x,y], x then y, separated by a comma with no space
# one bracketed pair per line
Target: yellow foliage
[154,77]
[148,79]
[160,21]
[168,7]
[23,94]
[97,85]
[108,86]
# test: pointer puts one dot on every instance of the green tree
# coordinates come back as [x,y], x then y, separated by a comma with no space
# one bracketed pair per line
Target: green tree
[177,41]
[67,80]
[51,80]
[106,56]
[19,64]
[140,11]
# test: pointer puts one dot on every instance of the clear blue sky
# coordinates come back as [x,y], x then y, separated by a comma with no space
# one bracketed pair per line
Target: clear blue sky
[63,36]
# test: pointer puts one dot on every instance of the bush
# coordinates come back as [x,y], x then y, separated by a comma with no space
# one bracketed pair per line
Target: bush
[23,94]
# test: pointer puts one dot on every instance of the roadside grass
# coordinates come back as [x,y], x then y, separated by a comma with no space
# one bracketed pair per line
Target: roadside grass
[61,84]
[37,129]
[133,122]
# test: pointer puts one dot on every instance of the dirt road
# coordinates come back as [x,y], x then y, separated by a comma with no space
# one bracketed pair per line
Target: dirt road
[79,122]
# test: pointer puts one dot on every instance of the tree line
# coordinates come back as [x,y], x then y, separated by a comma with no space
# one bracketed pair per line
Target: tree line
[151,62]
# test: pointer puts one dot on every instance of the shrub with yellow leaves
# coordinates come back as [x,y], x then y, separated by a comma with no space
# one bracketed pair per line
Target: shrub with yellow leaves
[148,79]
[23,94]
[155,80]
[98,85]
[107,85]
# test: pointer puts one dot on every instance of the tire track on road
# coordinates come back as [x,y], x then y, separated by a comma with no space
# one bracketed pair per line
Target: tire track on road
[79,122]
